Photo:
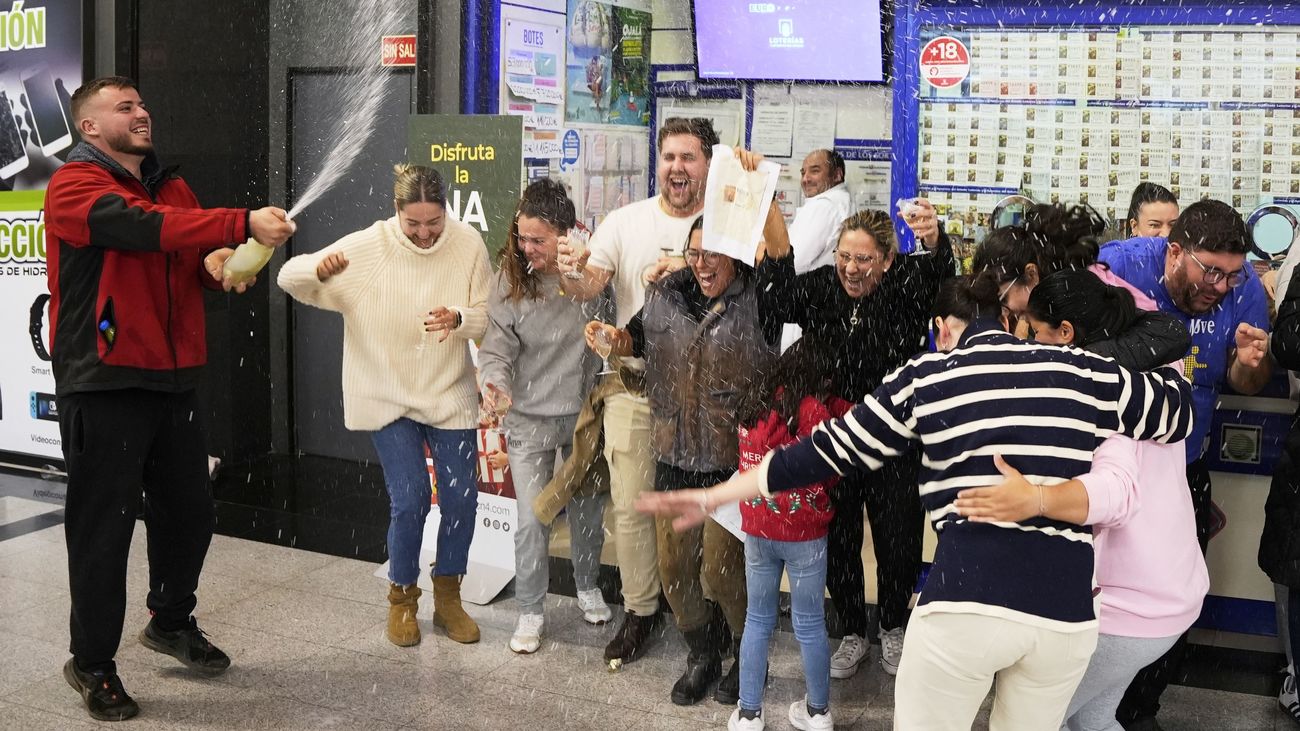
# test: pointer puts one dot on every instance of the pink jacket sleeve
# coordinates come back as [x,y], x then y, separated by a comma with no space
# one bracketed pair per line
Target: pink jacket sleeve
[1112,483]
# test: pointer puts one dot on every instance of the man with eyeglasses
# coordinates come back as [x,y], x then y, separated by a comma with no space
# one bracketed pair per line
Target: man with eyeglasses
[1199,275]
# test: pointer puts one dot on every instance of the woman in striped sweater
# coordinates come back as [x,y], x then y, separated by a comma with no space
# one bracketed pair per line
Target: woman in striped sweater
[1149,565]
[1011,600]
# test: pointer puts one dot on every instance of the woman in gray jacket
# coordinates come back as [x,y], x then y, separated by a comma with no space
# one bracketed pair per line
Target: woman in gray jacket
[534,368]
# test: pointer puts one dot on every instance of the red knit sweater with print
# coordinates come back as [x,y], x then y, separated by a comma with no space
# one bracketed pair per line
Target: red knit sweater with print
[791,515]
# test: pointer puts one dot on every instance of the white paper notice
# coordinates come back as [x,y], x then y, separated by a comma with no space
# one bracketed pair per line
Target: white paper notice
[727,515]
[735,204]
[814,129]
[773,129]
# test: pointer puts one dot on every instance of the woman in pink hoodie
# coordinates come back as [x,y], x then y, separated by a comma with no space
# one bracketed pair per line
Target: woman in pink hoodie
[1149,564]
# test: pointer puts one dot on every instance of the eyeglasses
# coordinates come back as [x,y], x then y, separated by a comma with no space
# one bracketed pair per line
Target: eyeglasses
[863,260]
[1214,275]
[710,257]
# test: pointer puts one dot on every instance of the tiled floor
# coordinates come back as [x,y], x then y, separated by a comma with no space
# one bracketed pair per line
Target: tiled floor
[305,631]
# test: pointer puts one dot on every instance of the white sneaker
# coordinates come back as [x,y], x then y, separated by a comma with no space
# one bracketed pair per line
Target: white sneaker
[1288,698]
[736,723]
[593,606]
[528,634]
[853,650]
[800,719]
[891,649]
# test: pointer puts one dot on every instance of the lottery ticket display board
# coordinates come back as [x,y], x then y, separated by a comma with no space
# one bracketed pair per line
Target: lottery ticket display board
[1085,114]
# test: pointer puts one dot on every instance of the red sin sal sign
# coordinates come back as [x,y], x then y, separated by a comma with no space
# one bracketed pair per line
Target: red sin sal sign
[397,51]
[945,62]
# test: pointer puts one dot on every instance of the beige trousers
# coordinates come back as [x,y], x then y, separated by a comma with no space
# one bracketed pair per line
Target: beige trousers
[631,471]
[950,660]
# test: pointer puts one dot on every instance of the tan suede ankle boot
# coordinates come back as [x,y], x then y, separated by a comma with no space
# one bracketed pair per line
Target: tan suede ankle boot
[448,613]
[403,630]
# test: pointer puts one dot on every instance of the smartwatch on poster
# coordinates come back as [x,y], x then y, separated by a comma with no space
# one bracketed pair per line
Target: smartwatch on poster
[36,323]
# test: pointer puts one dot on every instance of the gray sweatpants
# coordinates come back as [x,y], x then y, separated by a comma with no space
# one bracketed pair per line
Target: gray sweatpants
[532,447]
[1112,667]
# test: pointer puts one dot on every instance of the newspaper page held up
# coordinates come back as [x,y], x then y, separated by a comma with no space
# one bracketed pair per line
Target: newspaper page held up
[735,204]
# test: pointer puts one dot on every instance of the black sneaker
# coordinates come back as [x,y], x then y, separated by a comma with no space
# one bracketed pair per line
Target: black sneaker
[189,645]
[102,692]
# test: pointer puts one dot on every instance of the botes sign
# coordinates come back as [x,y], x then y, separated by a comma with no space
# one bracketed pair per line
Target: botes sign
[481,158]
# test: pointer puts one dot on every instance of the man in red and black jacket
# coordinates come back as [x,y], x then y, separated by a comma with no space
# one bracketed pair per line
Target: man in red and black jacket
[129,253]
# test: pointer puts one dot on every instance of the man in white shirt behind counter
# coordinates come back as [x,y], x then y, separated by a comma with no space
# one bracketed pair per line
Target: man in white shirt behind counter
[815,230]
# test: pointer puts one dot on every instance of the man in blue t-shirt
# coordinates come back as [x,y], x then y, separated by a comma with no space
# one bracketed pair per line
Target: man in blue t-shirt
[1199,275]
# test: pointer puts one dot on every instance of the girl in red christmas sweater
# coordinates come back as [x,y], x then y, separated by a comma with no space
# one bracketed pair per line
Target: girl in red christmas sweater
[786,532]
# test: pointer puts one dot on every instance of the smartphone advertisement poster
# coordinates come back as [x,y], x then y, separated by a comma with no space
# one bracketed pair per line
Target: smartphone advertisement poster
[40,66]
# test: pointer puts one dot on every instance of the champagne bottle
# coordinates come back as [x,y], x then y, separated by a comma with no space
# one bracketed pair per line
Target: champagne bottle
[246,262]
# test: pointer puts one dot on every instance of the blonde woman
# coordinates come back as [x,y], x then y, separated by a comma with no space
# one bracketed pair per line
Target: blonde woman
[413,291]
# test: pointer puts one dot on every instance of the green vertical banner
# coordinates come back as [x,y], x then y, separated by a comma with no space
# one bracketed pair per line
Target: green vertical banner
[481,158]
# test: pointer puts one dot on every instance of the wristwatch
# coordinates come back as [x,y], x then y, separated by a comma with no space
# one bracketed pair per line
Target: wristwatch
[36,323]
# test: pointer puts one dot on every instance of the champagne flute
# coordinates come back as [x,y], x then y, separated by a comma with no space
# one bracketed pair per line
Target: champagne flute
[423,345]
[604,346]
[577,238]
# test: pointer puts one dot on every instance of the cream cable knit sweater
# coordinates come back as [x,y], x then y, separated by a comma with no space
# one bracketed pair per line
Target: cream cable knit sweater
[384,294]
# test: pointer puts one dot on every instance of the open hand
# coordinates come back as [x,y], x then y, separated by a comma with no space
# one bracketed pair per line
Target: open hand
[1013,500]
[442,320]
[1252,345]
[215,265]
[687,508]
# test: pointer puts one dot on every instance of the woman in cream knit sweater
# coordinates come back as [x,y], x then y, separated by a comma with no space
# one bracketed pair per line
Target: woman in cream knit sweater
[413,292]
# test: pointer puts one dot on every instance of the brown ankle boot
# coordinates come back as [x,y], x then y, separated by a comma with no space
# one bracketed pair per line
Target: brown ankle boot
[448,613]
[403,630]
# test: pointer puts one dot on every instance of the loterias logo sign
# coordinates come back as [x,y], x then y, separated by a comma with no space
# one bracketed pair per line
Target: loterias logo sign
[481,158]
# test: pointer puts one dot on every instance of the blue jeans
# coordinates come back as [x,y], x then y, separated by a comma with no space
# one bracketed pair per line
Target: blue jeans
[406,475]
[805,563]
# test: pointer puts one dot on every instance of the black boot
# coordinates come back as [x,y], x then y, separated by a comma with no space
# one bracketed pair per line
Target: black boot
[703,666]
[728,690]
[630,640]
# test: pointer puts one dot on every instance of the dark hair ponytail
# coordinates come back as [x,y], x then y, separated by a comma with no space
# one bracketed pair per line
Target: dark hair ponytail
[970,297]
[1145,193]
[1097,310]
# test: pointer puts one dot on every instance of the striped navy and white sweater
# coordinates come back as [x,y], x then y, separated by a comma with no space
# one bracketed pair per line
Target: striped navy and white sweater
[1044,409]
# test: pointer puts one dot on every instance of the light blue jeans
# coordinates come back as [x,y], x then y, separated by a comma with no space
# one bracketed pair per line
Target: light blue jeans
[805,563]
[406,475]
[532,445]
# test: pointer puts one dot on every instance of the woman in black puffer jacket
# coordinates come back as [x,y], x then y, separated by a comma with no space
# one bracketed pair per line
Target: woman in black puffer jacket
[1279,544]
